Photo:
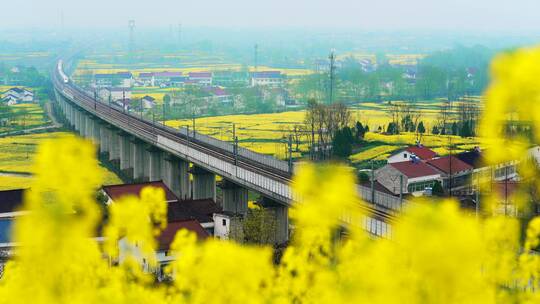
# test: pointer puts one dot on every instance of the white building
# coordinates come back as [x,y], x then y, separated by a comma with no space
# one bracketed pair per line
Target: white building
[202,78]
[419,151]
[17,95]
[267,78]
[162,255]
[413,176]
[227,225]
[148,102]
[115,94]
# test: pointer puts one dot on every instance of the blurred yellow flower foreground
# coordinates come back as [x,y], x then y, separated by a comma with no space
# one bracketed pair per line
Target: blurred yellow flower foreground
[437,255]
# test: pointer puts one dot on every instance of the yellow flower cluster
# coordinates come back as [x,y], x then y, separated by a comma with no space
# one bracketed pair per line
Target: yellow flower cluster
[438,253]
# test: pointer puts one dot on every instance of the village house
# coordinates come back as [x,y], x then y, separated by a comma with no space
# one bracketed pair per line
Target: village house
[166,79]
[414,176]
[193,215]
[267,78]
[148,102]
[146,79]
[419,151]
[218,94]
[455,174]
[17,95]
[202,78]
[118,80]
[114,94]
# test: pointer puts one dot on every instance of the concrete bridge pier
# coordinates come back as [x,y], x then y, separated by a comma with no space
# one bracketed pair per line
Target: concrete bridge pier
[139,162]
[125,155]
[154,164]
[176,175]
[88,127]
[82,123]
[204,184]
[96,129]
[234,197]
[76,117]
[69,114]
[104,140]
[281,213]
[114,148]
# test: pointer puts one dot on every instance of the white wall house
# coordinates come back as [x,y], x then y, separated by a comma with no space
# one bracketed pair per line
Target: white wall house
[267,78]
[202,78]
[17,95]
[114,93]
[420,152]
[227,226]
[414,177]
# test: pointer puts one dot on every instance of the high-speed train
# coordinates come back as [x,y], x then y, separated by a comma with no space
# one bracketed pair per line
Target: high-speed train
[61,71]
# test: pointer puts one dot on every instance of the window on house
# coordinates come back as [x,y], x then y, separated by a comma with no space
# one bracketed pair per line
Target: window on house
[404,155]
[224,221]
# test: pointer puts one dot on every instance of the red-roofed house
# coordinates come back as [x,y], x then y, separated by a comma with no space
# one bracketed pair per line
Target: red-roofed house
[456,174]
[164,241]
[419,151]
[414,176]
[115,192]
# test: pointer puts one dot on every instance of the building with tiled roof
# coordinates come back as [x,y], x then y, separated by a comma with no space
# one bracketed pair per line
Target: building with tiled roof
[413,176]
[419,151]
[115,192]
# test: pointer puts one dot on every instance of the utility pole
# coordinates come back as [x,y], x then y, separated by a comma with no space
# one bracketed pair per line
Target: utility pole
[400,190]
[332,58]
[372,183]
[290,154]
[235,146]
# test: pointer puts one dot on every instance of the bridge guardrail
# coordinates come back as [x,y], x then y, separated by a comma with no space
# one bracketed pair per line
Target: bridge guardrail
[382,199]
[264,159]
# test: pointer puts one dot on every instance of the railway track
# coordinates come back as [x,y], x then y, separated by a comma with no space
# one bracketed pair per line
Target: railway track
[149,131]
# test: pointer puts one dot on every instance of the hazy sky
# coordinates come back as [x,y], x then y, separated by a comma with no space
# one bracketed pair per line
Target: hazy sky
[360,14]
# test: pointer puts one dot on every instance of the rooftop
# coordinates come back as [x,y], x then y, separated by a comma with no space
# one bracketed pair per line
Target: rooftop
[117,191]
[449,164]
[473,158]
[422,152]
[414,169]
[167,235]
[201,210]
[267,74]
[168,74]
[200,74]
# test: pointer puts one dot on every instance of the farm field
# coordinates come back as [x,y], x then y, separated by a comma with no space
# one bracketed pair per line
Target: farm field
[16,154]
[266,133]
[263,133]
[26,115]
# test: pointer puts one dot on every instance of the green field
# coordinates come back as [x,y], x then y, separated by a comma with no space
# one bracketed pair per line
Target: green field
[16,159]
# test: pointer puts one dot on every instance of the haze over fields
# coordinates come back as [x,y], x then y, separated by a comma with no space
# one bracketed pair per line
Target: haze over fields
[479,15]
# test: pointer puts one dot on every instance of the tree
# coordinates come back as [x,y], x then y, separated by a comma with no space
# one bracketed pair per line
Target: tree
[421,129]
[259,226]
[437,189]
[435,130]
[392,128]
[347,132]
[341,146]
[360,131]
[454,128]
